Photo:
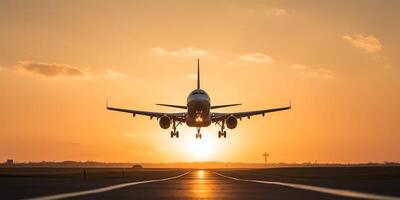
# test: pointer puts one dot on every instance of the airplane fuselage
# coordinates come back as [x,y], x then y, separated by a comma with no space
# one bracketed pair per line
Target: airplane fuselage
[198,109]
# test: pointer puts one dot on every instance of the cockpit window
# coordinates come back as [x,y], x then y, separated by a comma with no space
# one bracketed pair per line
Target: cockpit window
[198,92]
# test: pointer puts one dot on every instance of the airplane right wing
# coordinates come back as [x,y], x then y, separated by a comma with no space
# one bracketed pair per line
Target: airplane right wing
[177,116]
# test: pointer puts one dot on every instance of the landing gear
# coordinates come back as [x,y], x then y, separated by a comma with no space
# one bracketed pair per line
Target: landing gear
[174,132]
[198,134]
[221,133]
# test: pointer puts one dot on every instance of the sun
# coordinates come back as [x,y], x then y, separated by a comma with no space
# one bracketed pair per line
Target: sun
[201,149]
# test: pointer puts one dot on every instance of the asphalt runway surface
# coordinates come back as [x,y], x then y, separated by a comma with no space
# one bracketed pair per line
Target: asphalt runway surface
[329,183]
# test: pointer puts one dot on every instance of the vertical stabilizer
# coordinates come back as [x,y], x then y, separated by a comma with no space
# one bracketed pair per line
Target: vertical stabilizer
[198,73]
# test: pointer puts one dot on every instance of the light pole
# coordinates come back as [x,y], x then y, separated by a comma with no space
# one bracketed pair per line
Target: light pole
[265,157]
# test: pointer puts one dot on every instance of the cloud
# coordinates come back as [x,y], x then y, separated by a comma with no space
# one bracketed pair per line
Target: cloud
[184,52]
[316,73]
[369,43]
[111,74]
[192,76]
[257,58]
[51,69]
[130,135]
[162,149]
[277,11]
[296,66]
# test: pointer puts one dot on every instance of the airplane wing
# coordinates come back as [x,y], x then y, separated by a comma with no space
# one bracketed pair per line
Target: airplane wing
[177,116]
[221,116]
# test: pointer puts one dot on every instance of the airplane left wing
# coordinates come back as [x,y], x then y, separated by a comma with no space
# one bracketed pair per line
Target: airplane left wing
[221,116]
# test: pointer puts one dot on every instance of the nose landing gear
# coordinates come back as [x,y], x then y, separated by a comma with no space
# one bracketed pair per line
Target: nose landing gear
[198,134]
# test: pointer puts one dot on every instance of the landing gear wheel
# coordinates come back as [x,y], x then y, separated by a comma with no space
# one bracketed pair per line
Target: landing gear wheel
[224,134]
[177,134]
[219,134]
[172,134]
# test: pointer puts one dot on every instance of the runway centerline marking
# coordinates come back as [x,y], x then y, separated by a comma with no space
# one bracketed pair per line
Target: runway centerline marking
[337,192]
[102,189]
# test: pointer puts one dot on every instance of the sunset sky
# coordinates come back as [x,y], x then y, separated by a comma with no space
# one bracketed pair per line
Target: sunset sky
[338,62]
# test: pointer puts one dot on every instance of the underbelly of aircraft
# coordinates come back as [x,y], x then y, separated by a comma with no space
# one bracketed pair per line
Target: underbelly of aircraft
[193,122]
[198,113]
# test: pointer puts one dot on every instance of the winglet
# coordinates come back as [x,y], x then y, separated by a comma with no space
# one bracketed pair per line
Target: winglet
[107,103]
[290,104]
[198,73]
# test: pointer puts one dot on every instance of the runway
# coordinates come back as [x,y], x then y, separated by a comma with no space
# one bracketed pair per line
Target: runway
[228,184]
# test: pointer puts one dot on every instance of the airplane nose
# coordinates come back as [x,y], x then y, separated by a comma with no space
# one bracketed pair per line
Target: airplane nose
[198,108]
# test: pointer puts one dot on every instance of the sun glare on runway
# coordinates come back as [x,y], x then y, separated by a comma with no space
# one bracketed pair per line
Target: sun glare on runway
[200,174]
[201,185]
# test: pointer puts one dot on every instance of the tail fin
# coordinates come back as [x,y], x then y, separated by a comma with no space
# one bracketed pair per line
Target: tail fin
[198,73]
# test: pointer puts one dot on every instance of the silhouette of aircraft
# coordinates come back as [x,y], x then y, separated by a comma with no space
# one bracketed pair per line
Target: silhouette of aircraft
[198,113]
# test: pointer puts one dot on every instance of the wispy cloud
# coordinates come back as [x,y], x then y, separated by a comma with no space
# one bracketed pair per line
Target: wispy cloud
[316,73]
[276,11]
[184,52]
[57,70]
[111,74]
[257,58]
[192,76]
[51,69]
[130,135]
[297,66]
[369,43]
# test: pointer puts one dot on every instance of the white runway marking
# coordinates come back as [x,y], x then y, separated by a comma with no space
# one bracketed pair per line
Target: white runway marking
[337,192]
[103,189]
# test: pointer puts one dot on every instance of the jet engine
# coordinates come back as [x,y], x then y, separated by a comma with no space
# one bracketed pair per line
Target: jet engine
[231,122]
[165,122]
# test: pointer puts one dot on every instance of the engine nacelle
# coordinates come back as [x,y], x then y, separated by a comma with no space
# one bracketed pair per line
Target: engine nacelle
[165,122]
[231,122]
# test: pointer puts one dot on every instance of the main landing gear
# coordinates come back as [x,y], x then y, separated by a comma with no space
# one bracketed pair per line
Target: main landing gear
[174,132]
[198,134]
[221,133]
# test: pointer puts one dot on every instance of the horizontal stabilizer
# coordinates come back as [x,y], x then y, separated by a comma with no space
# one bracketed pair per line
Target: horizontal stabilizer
[227,105]
[174,106]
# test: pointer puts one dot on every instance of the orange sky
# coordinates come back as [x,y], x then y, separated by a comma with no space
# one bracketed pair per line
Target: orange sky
[337,61]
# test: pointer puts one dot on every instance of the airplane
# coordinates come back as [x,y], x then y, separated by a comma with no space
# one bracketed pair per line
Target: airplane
[198,113]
